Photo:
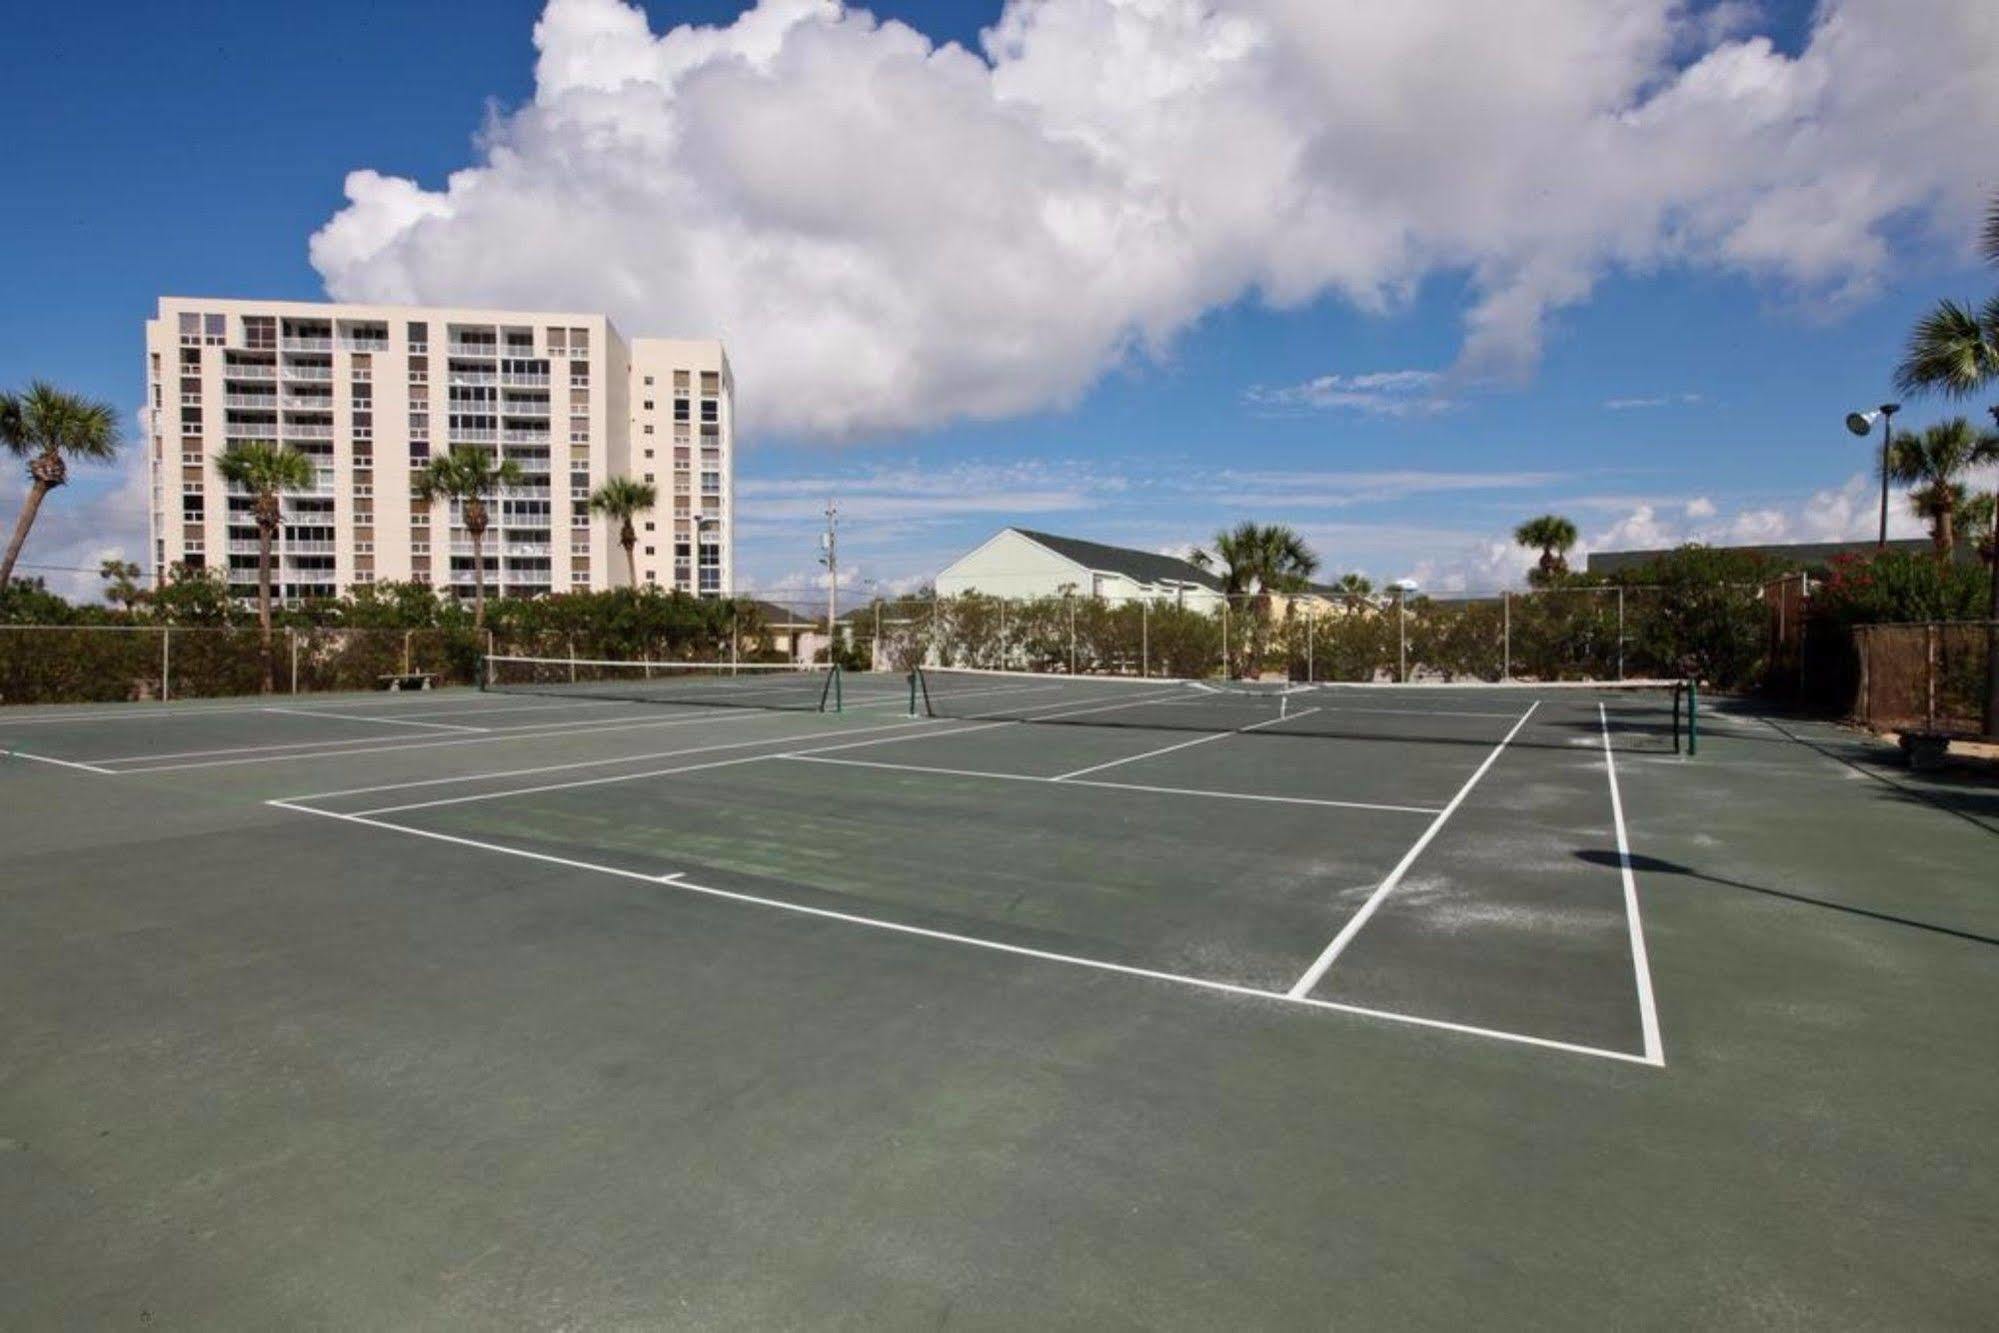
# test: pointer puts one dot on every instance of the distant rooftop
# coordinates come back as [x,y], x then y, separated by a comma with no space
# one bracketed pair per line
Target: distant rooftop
[1795,555]
[1139,566]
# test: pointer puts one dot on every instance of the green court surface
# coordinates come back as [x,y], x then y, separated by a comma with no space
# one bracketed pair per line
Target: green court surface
[1438,1009]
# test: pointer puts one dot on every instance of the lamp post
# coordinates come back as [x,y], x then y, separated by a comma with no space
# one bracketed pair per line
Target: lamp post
[1860,423]
[1992,618]
[1403,587]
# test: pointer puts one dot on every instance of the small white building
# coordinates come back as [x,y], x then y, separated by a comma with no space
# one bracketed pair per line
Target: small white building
[1018,563]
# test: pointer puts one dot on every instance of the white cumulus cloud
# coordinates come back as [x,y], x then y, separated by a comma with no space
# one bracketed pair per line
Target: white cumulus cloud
[891,233]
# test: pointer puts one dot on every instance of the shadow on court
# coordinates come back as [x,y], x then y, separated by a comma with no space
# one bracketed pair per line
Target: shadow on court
[1652,865]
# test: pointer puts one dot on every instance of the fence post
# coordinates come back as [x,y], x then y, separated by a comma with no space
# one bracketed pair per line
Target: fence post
[1072,636]
[1620,631]
[1401,635]
[1506,636]
[1930,675]
[166,664]
[1002,633]
[570,639]
[735,631]
[293,635]
[1311,633]
[1145,638]
[875,649]
[1225,636]
[409,637]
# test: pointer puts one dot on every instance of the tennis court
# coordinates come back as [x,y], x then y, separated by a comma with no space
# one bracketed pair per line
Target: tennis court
[847,997]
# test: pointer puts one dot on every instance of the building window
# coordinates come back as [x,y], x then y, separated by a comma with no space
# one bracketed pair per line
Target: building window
[680,409]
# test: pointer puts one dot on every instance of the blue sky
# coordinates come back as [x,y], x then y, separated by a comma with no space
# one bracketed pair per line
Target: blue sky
[1126,279]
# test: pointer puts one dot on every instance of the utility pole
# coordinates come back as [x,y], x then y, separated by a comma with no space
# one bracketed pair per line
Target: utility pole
[1992,622]
[830,557]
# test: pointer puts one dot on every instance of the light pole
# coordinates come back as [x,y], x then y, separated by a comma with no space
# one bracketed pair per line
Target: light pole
[1860,423]
[1403,587]
[1992,617]
[830,557]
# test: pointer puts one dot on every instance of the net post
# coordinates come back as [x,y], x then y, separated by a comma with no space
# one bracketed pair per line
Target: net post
[1620,631]
[1505,635]
[166,664]
[1693,716]
[1145,637]
[293,635]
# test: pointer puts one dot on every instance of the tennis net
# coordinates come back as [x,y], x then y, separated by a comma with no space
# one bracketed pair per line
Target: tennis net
[782,685]
[1656,715]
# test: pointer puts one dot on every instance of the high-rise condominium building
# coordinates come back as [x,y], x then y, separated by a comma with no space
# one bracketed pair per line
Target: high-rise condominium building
[371,393]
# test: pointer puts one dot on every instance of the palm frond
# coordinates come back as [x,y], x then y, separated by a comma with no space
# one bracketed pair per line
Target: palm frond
[1988,240]
[1951,351]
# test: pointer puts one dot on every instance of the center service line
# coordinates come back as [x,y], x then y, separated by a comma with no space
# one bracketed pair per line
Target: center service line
[1317,970]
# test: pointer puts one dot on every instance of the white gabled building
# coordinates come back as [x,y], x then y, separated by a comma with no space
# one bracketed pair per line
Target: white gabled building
[1019,563]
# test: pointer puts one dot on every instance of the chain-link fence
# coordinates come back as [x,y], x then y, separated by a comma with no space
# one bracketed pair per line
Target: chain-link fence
[1719,633]
[1927,678]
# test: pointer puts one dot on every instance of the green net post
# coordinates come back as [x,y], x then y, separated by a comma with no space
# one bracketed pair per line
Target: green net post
[1693,717]
[836,687]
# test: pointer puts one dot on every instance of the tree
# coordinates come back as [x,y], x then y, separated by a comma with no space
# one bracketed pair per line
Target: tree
[1933,462]
[1354,589]
[621,498]
[267,471]
[1257,560]
[1955,352]
[1552,535]
[468,477]
[48,428]
[121,583]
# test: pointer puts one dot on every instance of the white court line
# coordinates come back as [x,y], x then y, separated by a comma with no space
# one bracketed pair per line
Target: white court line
[1183,745]
[155,712]
[1641,966]
[1312,975]
[375,718]
[61,763]
[816,757]
[678,880]
[653,772]
[928,725]
[530,728]
[553,731]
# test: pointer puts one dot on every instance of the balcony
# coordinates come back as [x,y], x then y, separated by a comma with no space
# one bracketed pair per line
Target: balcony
[306,371]
[307,430]
[471,435]
[539,437]
[524,493]
[250,430]
[291,344]
[308,547]
[539,550]
[357,344]
[236,370]
[521,379]
[471,378]
[266,402]
[473,349]
[516,407]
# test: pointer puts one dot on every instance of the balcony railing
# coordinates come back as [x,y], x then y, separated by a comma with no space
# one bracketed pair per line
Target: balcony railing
[515,407]
[238,371]
[471,435]
[474,349]
[307,430]
[364,344]
[471,377]
[521,379]
[250,430]
[295,371]
[308,548]
[540,549]
[524,493]
[265,401]
[539,437]
[307,344]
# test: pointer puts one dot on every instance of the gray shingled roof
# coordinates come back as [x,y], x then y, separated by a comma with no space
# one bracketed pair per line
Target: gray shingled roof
[1800,555]
[1142,566]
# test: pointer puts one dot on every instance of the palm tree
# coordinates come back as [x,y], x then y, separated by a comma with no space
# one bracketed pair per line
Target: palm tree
[1258,560]
[469,476]
[1354,589]
[121,583]
[1552,535]
[48,427]
[267,471]
[621,498]
[1955,352]
[1933,462]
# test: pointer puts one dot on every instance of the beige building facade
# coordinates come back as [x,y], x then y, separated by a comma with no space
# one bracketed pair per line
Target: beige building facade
[371,393]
